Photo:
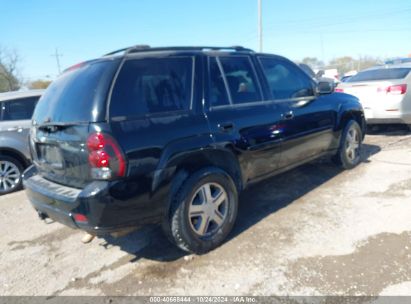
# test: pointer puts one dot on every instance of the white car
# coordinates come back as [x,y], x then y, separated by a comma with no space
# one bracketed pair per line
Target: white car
[384,92]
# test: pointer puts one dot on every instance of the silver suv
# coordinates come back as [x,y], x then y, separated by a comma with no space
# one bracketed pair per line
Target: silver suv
[15,121]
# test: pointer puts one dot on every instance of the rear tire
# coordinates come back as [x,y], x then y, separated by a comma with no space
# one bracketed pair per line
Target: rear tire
[11,171]
[349,152]
[203,211]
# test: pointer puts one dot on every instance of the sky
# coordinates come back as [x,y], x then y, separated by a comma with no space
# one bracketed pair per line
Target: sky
[86,29]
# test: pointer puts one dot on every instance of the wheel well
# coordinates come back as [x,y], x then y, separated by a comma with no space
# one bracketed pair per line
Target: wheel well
[17,155]
[357,116]
[221,159]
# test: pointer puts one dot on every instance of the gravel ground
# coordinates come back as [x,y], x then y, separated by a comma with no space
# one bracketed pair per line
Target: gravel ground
[316,230]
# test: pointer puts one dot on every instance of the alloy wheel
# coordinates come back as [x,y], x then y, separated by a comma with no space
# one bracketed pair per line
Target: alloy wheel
[9,176]
[208,209]
[352,144]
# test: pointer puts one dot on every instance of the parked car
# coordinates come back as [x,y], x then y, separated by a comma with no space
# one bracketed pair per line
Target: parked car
[173,135]
[398,60]
[330,74]
[384,92]
[348,75]
[15,122]
[345,78]
[316,76]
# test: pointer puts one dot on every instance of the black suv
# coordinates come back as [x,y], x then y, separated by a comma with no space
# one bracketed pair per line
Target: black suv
[172,135]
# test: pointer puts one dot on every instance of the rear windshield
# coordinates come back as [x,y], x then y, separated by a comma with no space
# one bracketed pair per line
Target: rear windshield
[380,74]
[78,95]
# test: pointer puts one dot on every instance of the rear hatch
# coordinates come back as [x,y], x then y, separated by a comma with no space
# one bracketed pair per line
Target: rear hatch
[63,118]
[366,92]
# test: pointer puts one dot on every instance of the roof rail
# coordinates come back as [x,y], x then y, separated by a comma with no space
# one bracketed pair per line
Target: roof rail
[128,49]
[145,48]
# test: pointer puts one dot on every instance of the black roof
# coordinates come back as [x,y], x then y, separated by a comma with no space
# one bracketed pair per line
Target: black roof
[147,48]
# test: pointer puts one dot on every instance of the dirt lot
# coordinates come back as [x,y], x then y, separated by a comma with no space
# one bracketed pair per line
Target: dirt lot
[316,230]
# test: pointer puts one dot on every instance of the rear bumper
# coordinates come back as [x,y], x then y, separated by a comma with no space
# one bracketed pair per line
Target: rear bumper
[387,117]
[106,210]
[391,120]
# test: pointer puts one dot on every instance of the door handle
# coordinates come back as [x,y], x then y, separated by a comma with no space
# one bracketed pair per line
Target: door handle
[226,127]
[288,115]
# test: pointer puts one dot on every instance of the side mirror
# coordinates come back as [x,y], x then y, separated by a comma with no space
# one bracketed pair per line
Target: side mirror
[325,87]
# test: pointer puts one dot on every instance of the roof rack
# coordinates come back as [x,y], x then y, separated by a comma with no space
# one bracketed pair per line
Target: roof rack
[128,49]
[145,48]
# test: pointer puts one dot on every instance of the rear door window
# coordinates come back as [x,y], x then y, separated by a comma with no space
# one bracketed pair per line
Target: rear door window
[380,74]
[153,85]
[241,79]
[19,109]
[286,80]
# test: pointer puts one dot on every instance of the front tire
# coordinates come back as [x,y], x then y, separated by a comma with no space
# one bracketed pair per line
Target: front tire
[203,211]
[349,152]
[11,171]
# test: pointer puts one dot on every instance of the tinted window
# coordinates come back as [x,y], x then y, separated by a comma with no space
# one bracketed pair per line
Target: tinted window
[380,74]
[306,68]
[19,109]
[153,85]
[78,95]
[240,79]
[286,80]
[218,92]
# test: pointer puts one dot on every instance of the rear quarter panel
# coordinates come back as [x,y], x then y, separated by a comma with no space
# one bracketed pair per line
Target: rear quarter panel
[349,107]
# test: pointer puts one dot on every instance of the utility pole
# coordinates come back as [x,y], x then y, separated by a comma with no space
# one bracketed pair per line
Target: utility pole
[322,48]
[57,56]
[260,26]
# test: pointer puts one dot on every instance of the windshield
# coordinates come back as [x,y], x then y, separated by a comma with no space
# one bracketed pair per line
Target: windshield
[78,95]
[380,74]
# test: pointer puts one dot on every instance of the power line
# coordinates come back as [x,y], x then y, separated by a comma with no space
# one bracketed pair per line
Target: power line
[346,20]
[329,32]
[298,24]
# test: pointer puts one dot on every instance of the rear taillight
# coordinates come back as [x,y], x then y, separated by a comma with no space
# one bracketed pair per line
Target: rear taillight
[80,218]
[394,89]
[339,90]
[105,157]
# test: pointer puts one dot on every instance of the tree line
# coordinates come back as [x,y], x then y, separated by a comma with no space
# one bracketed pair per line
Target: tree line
[344,64]
[10,76]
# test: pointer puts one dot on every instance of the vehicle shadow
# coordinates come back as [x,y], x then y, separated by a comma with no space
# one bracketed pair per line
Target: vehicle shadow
[271,195]
[389,130]
[256,202]
[149,243]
